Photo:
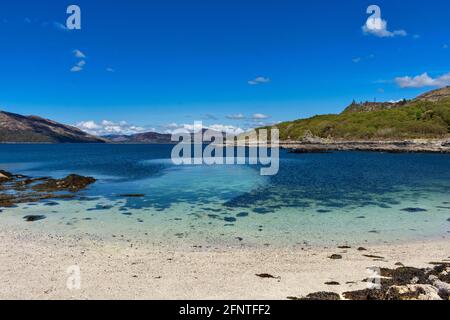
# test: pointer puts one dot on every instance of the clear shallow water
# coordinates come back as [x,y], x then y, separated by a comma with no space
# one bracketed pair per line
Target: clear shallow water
[315,199]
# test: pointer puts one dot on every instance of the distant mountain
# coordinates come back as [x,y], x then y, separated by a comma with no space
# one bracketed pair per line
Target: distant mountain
[427,117]
[148,137]
[15,128]
[151,137]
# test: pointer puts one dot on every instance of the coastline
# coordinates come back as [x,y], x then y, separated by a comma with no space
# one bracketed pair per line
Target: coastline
[318,145]
[394,146]
[34,266]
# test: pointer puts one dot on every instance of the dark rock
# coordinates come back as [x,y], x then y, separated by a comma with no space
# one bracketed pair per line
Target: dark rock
[372,256]
[267,276]
[366,294]
[332,283]
[33,218]
[51,204]
[323,211]
[5,176]
[406,283]
[242,214]
[72,183]
[335,257]
[261,210]
[320,296]
[344,247]
[414,210]
[362,249]
[230,219]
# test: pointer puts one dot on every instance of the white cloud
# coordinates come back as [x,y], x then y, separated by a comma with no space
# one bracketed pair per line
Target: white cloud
[423,80]
[110,69]
[189,128]
[79,66]
[76,69]
[357,60]
[260,116]
[58,26]
[78,54]
[109,127]
[238,116]
[445,46]
[258,80]
[226,128]
[378,27]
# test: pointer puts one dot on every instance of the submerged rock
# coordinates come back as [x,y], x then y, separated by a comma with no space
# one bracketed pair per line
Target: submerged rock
[22,189]
[33,218]
[242,214]
[414,210]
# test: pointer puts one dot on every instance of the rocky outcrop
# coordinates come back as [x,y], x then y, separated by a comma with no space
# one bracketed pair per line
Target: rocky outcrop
[72,183]
[5,176]
[16,189]
[435,95]
[404,283]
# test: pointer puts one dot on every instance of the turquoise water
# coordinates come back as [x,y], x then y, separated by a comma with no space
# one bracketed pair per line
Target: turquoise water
[316,199]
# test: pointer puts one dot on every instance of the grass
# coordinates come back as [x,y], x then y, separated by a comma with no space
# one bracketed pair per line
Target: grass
[412,120]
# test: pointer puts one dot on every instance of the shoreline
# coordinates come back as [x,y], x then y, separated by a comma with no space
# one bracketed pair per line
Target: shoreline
[407,146]
[34,266]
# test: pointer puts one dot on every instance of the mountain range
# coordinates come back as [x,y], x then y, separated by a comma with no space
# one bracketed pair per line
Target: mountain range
[427,116]
[147,137]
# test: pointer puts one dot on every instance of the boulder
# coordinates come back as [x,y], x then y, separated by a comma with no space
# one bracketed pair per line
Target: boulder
[413,292]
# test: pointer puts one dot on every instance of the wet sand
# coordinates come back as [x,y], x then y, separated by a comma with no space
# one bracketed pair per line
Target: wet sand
[34,265]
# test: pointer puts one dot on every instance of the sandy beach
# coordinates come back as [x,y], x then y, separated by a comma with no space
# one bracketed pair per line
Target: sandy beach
[34,266]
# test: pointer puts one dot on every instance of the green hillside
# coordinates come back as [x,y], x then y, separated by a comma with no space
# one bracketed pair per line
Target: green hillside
[427,116]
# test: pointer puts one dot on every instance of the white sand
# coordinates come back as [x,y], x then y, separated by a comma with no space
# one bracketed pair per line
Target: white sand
[33,266]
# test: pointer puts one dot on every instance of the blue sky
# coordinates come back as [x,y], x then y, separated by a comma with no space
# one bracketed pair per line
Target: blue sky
[239,63]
